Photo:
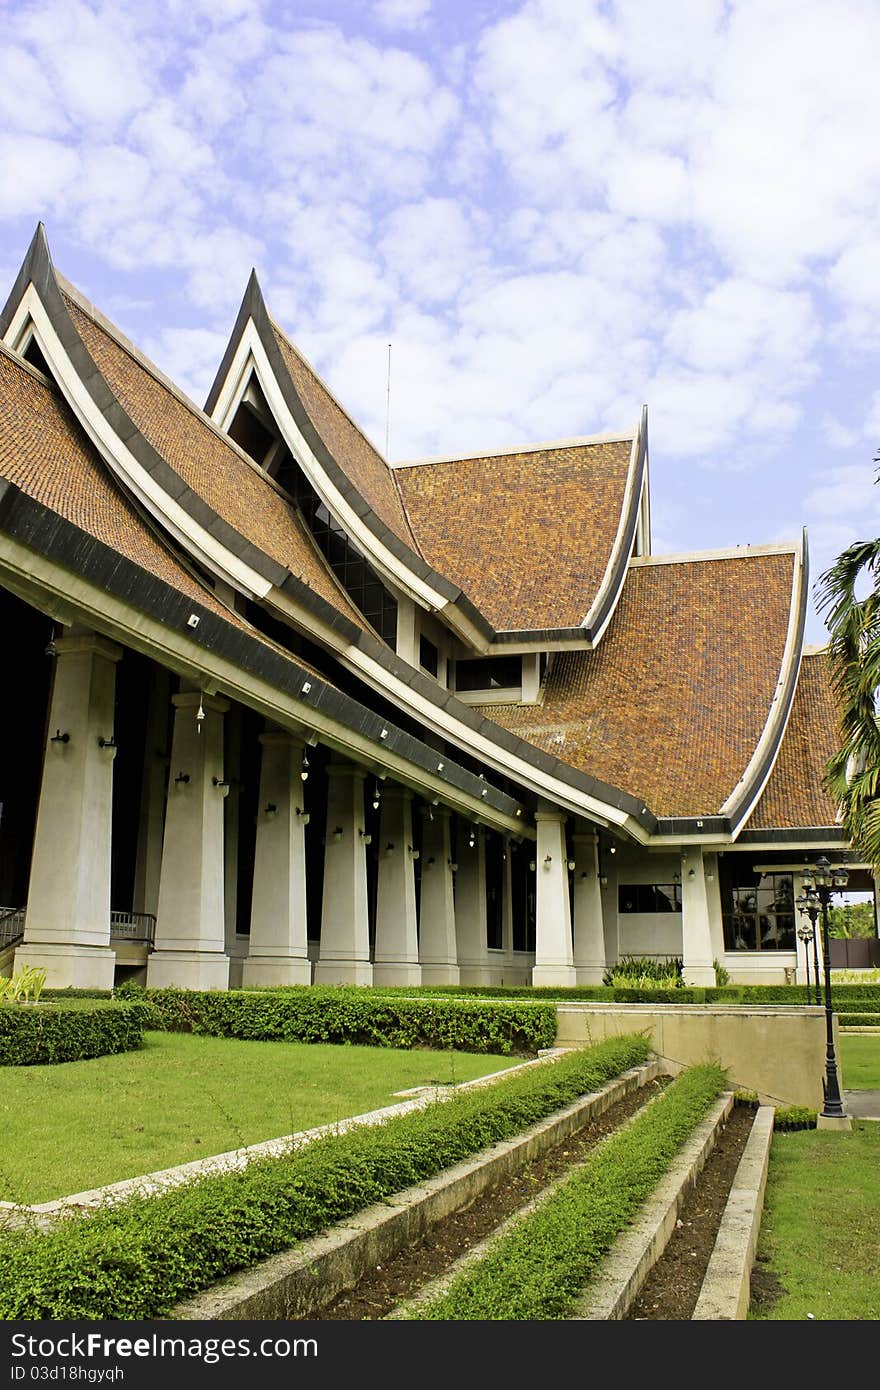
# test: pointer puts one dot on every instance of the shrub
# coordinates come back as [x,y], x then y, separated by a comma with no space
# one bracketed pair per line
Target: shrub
[643,972]
[340,1014]
[722,974]
[139,1258]
[794,1117]
[24,987]
[32,1035]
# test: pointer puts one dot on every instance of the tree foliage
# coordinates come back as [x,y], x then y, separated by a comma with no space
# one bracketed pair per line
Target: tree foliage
[849,594]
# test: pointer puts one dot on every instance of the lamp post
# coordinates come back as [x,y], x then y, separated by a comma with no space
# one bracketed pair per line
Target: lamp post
[808,903]
[826,880]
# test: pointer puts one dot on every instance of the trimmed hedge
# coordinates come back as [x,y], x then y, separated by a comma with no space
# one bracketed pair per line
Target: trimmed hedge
[141,1257]
[37,1034]
[346,1014]
[539,1270]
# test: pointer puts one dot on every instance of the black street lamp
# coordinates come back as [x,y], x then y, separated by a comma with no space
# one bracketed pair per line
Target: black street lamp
[808,903]
[825,880]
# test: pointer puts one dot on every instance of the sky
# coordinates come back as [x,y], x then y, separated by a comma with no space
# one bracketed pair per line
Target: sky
[554,211]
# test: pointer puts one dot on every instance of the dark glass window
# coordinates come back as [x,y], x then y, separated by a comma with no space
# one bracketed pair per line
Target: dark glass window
[649,897]
[489,673]
[428,656]
[357,577]
[33,355]
[250,433]
[494,892]
[757,910]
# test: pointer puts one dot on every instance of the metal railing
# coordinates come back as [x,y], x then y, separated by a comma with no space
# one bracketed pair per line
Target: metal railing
[124,926]
[133,926]
[11,925]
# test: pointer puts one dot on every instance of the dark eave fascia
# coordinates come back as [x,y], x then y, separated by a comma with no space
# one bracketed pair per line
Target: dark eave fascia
[673,827]
[39,529]
[760,773]
[809,834]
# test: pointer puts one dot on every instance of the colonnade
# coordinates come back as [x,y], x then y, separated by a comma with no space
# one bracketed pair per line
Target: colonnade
[438,935]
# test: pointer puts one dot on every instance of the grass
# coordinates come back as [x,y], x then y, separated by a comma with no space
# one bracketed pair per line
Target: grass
[860,1061]
[78,1125]
[820,1230]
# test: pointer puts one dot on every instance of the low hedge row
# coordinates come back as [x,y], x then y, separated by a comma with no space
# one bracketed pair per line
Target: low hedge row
[138,1259]
[345,1014]
[37,1034]
[687,994]
[538,1271]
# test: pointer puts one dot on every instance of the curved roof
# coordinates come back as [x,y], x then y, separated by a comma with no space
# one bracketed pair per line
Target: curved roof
[204,459]
[45,453]
[528,535]
[673,704]
[364,465]
[795,795]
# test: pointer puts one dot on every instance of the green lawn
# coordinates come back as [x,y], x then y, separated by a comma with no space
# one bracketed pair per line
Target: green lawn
[820,1231]
[78,1125]
[860,1061]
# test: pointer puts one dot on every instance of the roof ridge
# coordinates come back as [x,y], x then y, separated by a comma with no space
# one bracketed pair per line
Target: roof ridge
[330,392]
[739,552]
[576,442]
[149,366]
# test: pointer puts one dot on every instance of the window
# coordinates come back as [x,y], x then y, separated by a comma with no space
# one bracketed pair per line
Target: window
[489,673]
[649,897]
[758,911]
[357,577]
[429,656]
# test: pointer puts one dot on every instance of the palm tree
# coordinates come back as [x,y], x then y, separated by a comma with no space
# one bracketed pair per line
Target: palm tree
[852,774]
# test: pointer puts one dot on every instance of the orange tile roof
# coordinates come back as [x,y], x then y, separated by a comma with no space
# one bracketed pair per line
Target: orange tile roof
[526,536]
[673,702]
[208,463]
[45,453]
[795,796]
[362,464]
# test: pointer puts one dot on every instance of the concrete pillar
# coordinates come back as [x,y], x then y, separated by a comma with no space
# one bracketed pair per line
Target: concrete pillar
[344,957]
[507,906]
[407,644]
[713,900]
[396,948]
[279,940]
[190,931]
[67,924]
[151,826]
[696,931]
[471,918]
[554,959]
[438,952]
[589,926]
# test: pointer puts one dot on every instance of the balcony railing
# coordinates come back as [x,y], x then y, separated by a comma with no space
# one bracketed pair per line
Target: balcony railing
[124,926]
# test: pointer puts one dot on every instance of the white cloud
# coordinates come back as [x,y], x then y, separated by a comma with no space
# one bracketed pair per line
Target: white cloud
[402,14]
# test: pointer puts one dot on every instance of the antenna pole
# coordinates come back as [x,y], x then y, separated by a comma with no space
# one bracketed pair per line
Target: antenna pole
[388,402]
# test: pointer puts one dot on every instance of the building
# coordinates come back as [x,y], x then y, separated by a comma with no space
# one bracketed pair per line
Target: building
[279,712]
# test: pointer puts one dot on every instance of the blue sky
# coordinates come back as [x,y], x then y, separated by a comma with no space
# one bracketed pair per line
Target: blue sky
[555,211]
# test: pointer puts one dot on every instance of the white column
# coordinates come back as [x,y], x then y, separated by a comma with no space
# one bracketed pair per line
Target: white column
[471,917]
[554,959]
[713,900]
[190,929]
[345,930]
[696,932]
[67,924]
[437,943]
[396,948]
[151,825]
[589,926]
[278,953]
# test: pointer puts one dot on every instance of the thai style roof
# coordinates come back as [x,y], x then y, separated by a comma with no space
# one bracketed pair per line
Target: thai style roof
[795,796]
[674,703]
[365,467]
[217,472]
[528,535]
[676,714]
[45,453]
